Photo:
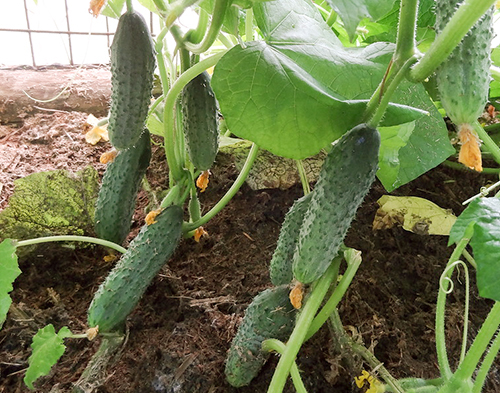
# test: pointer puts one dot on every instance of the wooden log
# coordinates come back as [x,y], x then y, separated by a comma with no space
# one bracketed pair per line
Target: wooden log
[85,89]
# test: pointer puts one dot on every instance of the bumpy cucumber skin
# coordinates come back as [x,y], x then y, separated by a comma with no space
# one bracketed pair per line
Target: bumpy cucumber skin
[132,67]
[118,193]
[270,315]
[345,178]
[280,267]
[126,283]
[463,79]
[199,119]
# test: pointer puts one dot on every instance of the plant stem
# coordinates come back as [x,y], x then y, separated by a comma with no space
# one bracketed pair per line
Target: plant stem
[229,194]
[444,364]
[332,303]
[218,13]
[129,6]
[486,365]
[405,42]
[169,113]
[279,347]
[489,143]
[468,366]
[303,177]
[456,165]
[302,327]
[72,238]
[466,16]
[249,25]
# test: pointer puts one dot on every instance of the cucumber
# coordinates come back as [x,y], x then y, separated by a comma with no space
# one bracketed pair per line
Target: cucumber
[126,283]
[118,193]
[199,119]
[463,79]
[270,315]
[344,180]
[132,67]
[280,267]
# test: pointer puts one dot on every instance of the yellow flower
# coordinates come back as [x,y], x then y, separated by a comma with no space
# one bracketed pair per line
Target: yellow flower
[375,386]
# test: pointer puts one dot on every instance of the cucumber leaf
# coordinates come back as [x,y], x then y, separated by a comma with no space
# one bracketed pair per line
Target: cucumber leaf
[47,347]
[485,242]
[113,8]
[353,11]
[9,271]
[427,144]
[300,89]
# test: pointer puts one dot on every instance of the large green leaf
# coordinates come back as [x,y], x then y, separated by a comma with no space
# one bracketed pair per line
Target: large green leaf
[418,150]
[47,347]
[353,11]
[9,270]
[300,89]
[485,214]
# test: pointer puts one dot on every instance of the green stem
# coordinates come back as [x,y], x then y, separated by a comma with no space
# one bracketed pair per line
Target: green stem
[195,36]
[302,327]
[459,25]
[72,238]
[169,113]
[129,6]
[332,303]
[488,143]
[486,365]
[391,86]
[456,165]
[249,25]
[303,177]
[405,42]
[229,194]
[176,9]
[467,368]
[218,13]
[332,18]
[279,347]
[444,364]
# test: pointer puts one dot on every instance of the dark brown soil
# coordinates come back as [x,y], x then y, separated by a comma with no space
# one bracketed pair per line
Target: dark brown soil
[182,328]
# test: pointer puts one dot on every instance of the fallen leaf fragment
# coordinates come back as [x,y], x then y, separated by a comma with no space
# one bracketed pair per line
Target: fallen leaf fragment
[417,215]
[470,151]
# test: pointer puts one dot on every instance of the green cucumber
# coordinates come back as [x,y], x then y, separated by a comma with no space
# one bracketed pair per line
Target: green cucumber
[199,119]
[118,193]
[344,180]
[280,267]
[118,295]
[132,67]
[270,315]
[463,79]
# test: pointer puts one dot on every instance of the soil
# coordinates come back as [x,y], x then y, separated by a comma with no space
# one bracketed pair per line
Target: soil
[179,334]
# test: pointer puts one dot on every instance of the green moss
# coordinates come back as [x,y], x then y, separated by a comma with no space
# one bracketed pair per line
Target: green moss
[51,203]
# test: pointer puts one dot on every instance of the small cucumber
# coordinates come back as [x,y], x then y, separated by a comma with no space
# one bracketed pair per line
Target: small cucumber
[199,119]
[132,67]
[280,268]
[126,283]
[270,315]
[344,180]
[117,195]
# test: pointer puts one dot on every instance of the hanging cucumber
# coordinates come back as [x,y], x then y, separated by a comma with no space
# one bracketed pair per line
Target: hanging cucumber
[280,268]
[117,195]
[199,119]
[126,283]
[270,315]
[132,67]
[345,178]
[463,79]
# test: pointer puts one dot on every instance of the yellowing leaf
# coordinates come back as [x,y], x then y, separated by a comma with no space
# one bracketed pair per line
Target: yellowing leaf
[414,214]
